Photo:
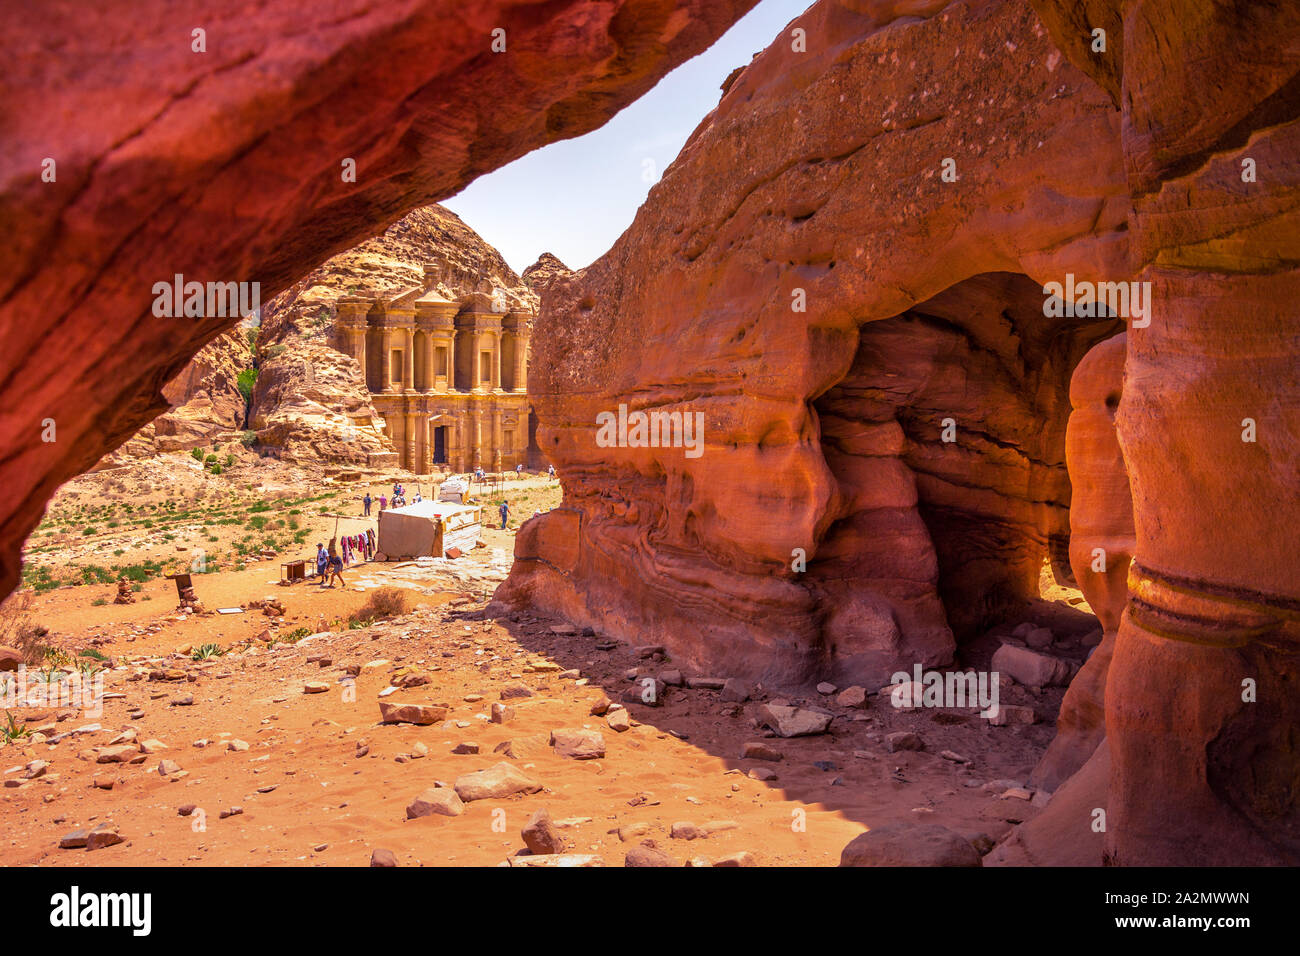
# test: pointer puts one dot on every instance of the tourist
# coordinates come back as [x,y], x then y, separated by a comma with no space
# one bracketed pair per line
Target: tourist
[383,503]
[478,473]
[336,570]
[505,514]
[322,559]
[550,473]
[418,499]
[519,470]
[365,502]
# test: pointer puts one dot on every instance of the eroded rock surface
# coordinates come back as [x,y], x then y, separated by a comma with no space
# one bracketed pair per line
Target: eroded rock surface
[828,525]
[1101,548]
[1201,709]
[228,165]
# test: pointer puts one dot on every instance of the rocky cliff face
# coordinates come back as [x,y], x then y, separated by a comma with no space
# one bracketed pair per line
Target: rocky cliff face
[205,403]
[852,304]
[310,404]
[139,150]
[1201,708]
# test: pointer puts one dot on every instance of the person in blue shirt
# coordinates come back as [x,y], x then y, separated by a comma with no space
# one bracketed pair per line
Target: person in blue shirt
[505,513]
[322,560]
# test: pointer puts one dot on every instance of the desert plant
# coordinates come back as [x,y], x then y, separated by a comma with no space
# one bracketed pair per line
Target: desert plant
[206,651]
[382,604]
[12,729]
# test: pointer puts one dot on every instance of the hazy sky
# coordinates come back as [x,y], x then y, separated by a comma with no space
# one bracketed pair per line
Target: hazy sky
[575,197]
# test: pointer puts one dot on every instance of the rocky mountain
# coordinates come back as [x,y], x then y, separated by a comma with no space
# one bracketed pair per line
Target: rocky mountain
[206,403]
[544,271]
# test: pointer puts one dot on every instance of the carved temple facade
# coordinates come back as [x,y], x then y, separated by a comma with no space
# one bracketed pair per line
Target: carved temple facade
[449,378]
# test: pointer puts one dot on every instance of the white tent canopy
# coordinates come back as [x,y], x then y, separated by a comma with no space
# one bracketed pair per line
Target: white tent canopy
[428,529]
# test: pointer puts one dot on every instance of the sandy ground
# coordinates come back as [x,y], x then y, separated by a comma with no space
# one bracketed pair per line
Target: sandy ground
[322,782]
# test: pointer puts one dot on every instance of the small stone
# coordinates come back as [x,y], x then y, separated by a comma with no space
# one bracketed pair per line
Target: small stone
[578,743]
[103,836]
[686,831]
[620,720]
[757,750]
[501,780]
[501,713]
[465,747]
[541,835]
[515,692]
[1008,714]
[315,687]
[826,688]
[794,721]
[903,740]
[419,714]
[383,858]
[647,856]
[852,697]
[736,690]
[441,801]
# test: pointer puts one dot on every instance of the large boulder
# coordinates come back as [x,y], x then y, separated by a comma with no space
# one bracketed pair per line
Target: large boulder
[910,844]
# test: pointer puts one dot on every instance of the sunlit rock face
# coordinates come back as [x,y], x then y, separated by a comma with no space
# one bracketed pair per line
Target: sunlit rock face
[1201,701]
[136,149]
[807,281]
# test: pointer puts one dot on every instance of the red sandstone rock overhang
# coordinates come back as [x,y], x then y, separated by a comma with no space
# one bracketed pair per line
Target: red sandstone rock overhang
[226,165]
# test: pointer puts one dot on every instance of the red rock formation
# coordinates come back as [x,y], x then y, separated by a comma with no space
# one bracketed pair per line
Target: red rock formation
[1101,548]
[544,271]
[227,165]
[205,403]
[818,183]
[1204,767]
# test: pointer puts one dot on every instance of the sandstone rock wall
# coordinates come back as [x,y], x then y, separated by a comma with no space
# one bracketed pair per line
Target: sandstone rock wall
[818,183]
[1204,766]
[205,403]
[1101,549]
[227,165]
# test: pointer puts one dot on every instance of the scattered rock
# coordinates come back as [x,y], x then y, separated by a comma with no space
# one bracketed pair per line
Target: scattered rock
[501,780]
[794,721]
[736,690]
[903,740]
[541,836]
[578,743]
[1030,668]
[420,714]
[442,801]
[757,750]
[910,844]
[647,856]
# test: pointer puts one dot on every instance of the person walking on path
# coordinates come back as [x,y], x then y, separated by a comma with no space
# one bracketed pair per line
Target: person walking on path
[336,570]
[365,503]
[322,559]
[505,514]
